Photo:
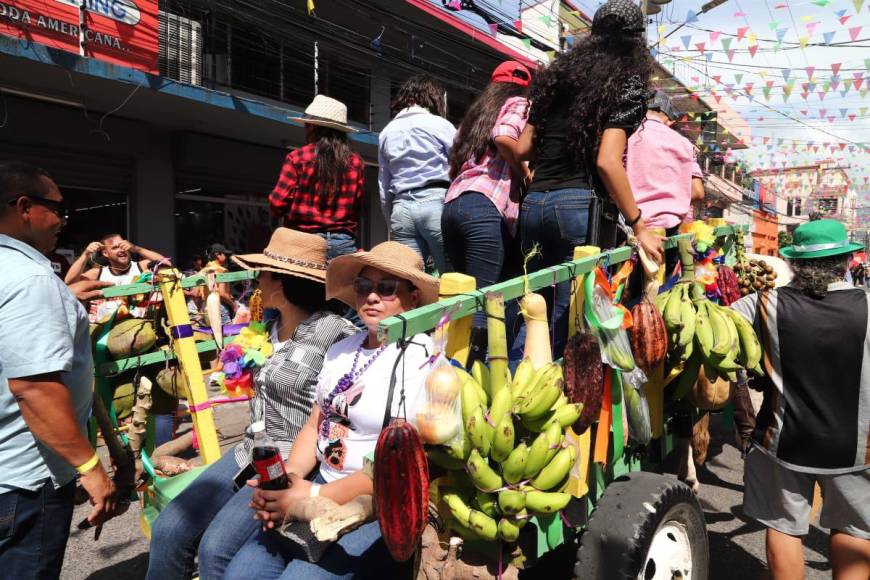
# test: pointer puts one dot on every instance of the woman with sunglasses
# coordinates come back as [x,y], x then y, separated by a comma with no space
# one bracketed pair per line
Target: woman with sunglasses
[585,105]
[210,519]
[353,399]
[482,203]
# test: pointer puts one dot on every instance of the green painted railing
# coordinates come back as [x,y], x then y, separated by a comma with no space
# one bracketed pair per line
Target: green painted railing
[426,318]
[161,356]
[188,282]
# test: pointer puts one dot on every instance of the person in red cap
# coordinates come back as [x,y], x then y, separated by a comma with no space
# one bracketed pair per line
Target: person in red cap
[585,105]
[479,220]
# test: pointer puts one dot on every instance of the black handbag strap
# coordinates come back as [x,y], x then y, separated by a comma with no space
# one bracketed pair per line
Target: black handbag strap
[403,347]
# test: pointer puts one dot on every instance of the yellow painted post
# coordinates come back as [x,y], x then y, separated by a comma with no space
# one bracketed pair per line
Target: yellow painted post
[458,331]
[578,483]
[184,346]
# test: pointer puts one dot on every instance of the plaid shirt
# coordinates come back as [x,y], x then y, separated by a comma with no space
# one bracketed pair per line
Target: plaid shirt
[491,175]
[297,197]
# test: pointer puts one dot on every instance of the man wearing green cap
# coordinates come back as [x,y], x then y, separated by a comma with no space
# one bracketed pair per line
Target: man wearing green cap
[814,423]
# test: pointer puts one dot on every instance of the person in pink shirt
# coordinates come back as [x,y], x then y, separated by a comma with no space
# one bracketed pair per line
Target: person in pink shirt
[479,220]
[662,171]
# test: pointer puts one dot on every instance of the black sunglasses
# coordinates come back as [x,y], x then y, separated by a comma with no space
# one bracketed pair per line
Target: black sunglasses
[386,288]
[57,207]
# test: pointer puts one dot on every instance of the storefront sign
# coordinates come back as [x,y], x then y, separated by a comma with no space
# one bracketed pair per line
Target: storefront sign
[118,31]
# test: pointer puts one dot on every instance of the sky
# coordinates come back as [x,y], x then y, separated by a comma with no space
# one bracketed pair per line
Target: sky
[815,50]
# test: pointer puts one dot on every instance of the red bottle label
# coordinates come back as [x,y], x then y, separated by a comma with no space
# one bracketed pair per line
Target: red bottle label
[269,469]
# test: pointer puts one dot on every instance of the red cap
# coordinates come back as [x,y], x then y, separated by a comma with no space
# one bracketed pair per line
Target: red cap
[512,71]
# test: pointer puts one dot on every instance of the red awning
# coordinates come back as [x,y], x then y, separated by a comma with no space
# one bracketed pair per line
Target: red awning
[474,33]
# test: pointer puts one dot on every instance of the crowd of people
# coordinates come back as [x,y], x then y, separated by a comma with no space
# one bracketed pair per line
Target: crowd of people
[580,152]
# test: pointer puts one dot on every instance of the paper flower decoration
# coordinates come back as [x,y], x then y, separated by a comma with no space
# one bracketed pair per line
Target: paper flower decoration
[704,236]
[240,359]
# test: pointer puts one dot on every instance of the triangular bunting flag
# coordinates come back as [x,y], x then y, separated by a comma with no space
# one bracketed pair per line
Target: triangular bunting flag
[786,72]
[691,17]
[686,40]
[738,78]
[804,41]
[527,42]
[752,50]
[714,36]
[828,36]
[843,112]
[699,46]
[858,5]
[810,70]
[726,42]
[835,67]
[493,29]
[811,27]
[780,33]
[854,32]
[741,32]
[844,19]
[730,54]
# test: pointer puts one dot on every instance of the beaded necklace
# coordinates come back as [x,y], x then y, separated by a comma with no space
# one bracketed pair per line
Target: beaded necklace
[345,383]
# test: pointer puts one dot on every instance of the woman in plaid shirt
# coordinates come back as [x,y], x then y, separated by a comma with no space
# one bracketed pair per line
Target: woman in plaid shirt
[320,188]
[481,207]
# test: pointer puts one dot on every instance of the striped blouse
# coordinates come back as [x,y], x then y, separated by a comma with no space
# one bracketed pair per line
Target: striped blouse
[285,385]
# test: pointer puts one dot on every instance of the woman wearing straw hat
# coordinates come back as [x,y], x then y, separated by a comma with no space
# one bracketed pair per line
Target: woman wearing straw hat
[354,392]
[814,423]
[212,512]
[320,187]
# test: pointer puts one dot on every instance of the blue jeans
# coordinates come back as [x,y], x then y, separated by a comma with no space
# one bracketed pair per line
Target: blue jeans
[477,241]
[415,221]
[164,425]
[358,554]
[338,244]
[34,528]
[556,220]
[210,514]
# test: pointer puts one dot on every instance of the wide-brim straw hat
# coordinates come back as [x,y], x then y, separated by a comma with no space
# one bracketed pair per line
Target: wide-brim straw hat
[292,253]
[391,257]
[325,112]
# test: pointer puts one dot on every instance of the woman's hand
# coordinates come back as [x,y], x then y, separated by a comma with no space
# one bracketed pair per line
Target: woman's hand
[271,507]
[651,244]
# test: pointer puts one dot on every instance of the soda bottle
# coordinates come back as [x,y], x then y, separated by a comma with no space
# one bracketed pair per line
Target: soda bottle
[267,459]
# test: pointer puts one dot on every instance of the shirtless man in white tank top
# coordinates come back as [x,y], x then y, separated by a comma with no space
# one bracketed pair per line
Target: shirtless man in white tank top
[121,268]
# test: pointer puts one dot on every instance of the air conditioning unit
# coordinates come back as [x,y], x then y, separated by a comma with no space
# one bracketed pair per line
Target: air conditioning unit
[180,48]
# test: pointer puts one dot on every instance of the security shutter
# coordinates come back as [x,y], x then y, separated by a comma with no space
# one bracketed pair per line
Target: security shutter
[74,168]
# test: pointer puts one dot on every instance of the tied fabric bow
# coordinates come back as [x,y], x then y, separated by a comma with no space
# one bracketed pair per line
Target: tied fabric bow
[239,360]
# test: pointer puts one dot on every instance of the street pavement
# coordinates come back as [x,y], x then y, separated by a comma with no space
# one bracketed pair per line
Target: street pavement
[736,543]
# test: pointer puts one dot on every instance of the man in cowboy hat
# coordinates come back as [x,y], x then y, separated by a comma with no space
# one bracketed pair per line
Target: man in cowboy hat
[320,188]
[814,423]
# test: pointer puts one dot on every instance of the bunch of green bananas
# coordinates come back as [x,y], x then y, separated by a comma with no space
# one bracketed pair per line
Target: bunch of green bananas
[703,333]
[513,456]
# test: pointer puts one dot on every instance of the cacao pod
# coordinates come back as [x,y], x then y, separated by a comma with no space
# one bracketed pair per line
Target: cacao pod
[401,486]
[729,285]
[649,337]
[584,377]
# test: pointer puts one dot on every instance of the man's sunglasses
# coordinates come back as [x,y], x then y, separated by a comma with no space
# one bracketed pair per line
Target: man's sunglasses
[58,207]
[386,288]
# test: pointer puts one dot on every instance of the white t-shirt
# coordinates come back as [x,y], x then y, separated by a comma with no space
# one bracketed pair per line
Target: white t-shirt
[354,432]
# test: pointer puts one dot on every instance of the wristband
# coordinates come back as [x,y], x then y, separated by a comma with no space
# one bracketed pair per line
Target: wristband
[89,464]
[635,220]
[314,491]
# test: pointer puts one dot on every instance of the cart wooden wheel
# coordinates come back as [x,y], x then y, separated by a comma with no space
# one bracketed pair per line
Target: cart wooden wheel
[646,526]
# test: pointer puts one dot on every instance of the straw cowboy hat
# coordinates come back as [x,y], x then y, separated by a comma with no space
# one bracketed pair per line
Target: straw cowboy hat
[391,257]
[819,239]
[292,253]
[325,112]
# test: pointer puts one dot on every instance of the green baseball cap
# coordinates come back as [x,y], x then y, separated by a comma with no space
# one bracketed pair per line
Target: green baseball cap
[819,239]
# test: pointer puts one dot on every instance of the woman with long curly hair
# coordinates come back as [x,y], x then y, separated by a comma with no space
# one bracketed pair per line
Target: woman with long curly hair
[482,204]
[585,105]
[413,150]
